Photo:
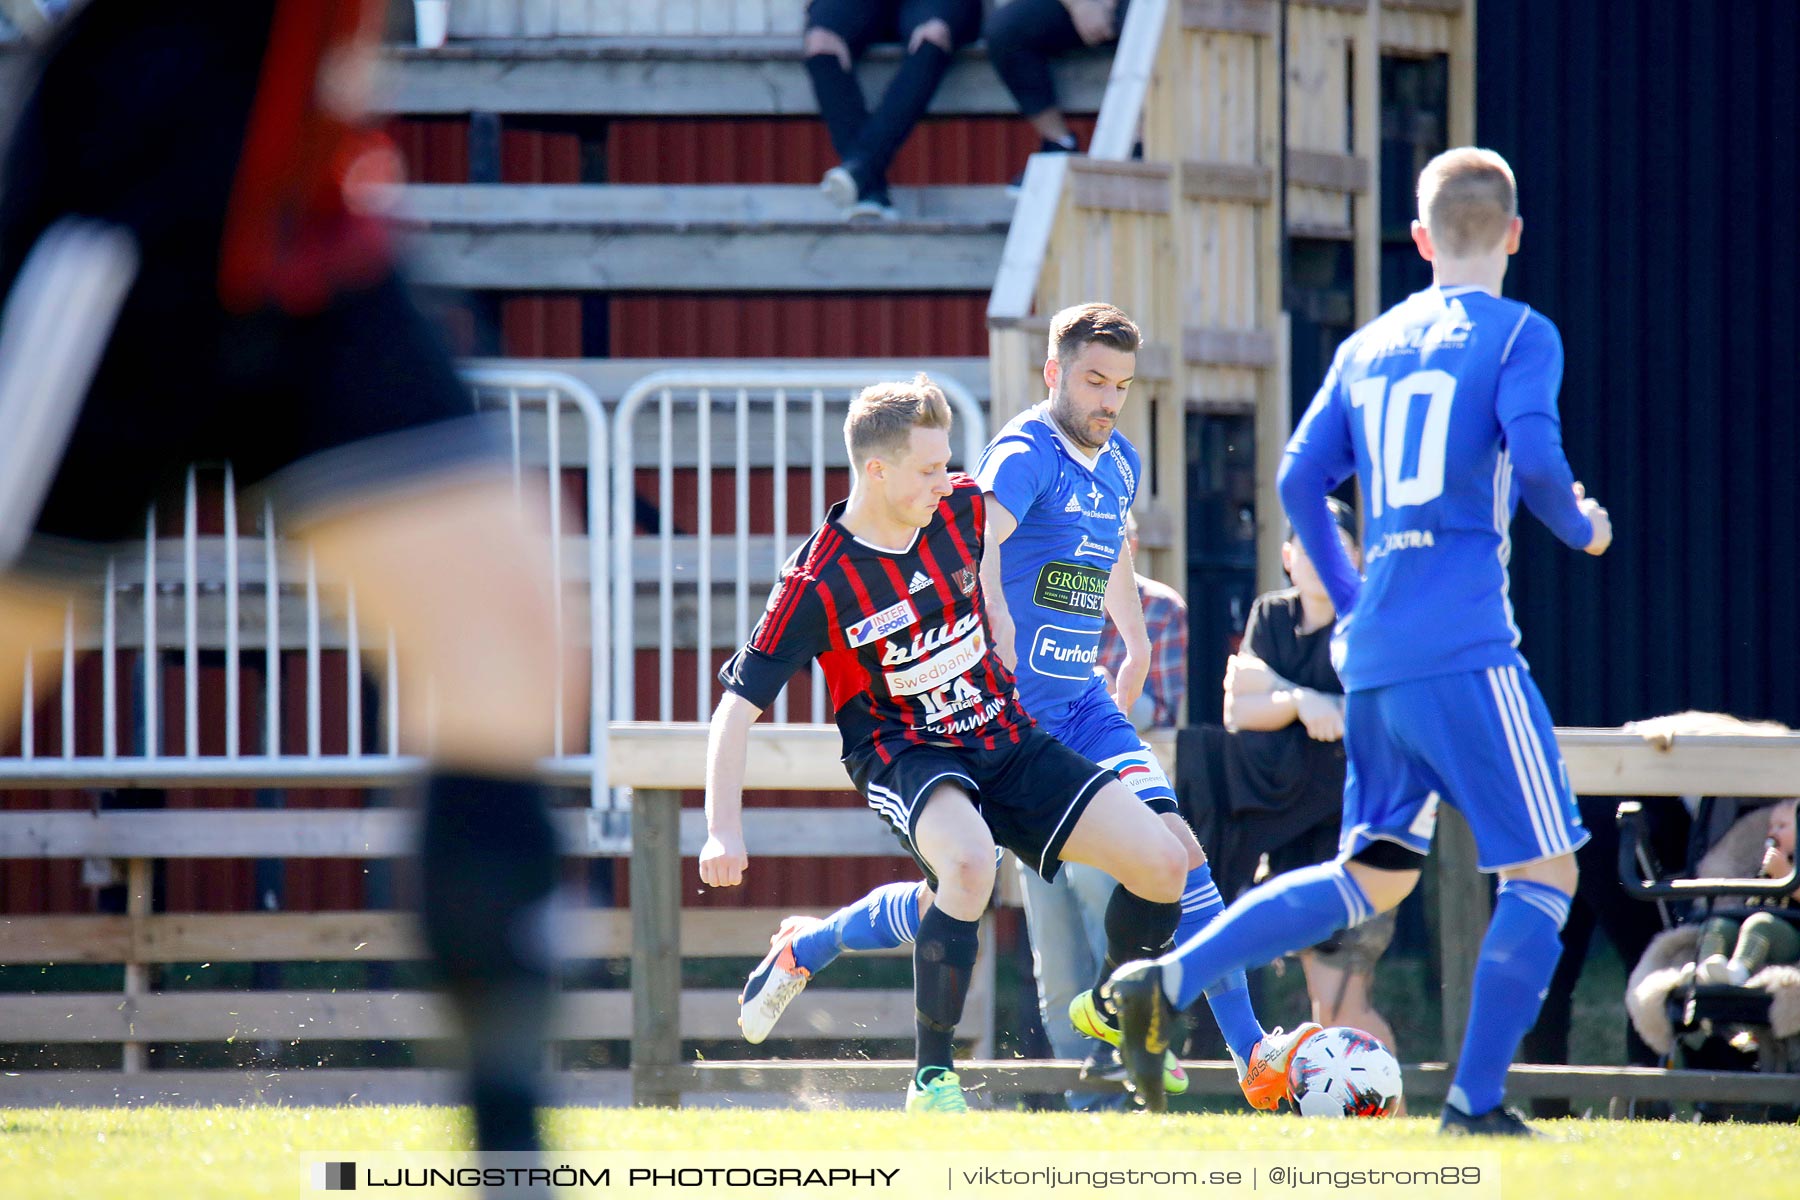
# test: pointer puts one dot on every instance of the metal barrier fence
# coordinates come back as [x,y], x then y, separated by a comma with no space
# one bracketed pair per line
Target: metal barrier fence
[199,594]
[779,422]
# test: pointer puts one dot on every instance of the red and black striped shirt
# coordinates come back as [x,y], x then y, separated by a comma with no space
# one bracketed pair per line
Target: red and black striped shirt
[902,635]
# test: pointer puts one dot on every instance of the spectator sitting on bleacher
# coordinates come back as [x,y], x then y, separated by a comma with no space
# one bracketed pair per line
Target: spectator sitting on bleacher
[1022,37]
[1284,702]
[838,32]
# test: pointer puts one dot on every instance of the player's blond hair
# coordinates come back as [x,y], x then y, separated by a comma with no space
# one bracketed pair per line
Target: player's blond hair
[883,416]
[1467,198]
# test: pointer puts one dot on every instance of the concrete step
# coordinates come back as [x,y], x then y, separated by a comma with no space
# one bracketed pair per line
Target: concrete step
[700,238]
[684,76]
[611,377]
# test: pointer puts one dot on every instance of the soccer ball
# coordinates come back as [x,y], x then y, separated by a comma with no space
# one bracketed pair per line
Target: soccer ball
[1341,1072]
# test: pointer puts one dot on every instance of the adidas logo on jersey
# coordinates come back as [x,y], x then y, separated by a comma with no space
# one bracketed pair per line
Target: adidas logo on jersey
[920,581]
[1073,506]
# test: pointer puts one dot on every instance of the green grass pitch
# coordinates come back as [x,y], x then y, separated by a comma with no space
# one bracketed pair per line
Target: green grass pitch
[200,1153]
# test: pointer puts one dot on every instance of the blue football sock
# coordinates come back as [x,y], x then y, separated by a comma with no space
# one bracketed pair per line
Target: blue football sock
[885,918]
[1518,956]
[1288,913]
[1229,999]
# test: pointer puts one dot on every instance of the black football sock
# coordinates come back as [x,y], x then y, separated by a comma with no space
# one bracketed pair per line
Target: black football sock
[943,963]
[488,859]
[1135,928]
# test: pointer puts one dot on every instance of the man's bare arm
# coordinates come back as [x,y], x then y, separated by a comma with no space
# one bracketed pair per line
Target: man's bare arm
[724,859]
[1000,525]
[1126,608]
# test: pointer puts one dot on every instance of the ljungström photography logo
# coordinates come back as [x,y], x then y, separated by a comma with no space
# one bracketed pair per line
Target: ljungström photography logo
[334,1176]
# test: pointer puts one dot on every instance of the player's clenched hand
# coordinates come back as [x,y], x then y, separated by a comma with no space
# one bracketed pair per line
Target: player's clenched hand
[723,860]
[1598,516]
[1321,714]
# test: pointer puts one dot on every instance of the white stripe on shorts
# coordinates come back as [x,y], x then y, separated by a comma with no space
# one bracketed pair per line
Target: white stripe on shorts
[1528,789]
[1534,745]
[53,336]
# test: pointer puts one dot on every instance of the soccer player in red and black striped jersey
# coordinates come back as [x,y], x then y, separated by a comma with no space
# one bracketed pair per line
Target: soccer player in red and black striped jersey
[886,595]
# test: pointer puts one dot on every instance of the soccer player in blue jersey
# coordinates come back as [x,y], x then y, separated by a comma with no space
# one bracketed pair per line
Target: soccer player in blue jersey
[1060,481]
[1444,408]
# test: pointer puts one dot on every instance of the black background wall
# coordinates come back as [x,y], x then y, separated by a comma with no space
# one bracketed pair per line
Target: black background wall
[1656,146]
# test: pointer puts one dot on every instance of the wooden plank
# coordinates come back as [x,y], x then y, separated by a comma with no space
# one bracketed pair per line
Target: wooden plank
[353,936]
[1134,57]
[138,882]
[729,76]
[1259,17]
[1273,403]
[1251,183]
[655,944]
[684,206]
[1321,231]
[1227,347]
[884,256]
[643,754]
[1015,281]
[1461,101]
[1442,8]
[842,1013]
[1462,923]
[1155,362]
[1347,173]
[1365,205]
[1120,186]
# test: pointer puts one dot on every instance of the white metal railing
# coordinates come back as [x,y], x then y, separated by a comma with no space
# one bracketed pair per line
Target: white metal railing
[214,583]
[774,422]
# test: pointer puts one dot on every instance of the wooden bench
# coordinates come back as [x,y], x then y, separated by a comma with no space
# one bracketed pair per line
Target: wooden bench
[656,932]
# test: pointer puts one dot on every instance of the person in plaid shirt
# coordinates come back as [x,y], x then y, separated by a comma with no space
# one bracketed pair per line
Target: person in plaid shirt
[1166,621]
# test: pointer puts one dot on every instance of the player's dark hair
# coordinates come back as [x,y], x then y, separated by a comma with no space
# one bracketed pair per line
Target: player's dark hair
[1342,513]
[883,416]
[1079,324]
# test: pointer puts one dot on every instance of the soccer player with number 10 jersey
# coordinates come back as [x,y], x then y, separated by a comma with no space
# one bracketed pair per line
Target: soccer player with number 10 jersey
[1444,408]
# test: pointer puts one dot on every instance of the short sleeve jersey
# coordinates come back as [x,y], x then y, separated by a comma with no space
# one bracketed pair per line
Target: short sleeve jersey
[1054,568]
[1415,405]
[902,636]
[1272,633]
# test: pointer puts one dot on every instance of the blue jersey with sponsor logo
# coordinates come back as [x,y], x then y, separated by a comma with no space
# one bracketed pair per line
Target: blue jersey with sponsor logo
[1071,510]
[1434,406]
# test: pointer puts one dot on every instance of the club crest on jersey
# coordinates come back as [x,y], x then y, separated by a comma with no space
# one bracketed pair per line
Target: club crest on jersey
[965,579]
[889,620]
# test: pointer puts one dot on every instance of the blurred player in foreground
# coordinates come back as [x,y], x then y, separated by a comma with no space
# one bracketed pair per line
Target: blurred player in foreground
[190,279]
[1444,408]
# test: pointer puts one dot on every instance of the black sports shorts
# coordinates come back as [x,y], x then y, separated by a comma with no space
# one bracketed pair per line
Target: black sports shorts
[1031,794]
